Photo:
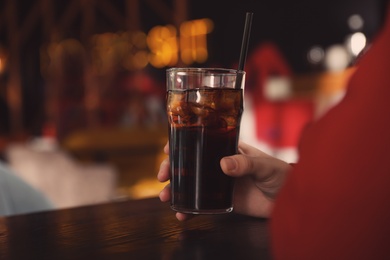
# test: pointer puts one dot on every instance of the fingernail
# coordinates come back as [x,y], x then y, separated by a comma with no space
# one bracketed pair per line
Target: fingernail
[230,164]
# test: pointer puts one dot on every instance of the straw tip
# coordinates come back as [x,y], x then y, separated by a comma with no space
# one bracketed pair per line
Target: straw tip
[245,40]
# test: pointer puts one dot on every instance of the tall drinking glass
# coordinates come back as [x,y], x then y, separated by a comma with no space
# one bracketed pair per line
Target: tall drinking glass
[204,107]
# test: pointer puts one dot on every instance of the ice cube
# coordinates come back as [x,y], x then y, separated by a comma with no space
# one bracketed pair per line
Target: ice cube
[177,108]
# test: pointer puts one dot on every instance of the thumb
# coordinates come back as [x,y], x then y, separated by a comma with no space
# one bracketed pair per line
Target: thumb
[267,172]
[240,165]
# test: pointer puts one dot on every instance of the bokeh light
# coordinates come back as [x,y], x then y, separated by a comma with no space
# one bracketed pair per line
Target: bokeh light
[315,55]
[357,43]
[337,58]
[355,22]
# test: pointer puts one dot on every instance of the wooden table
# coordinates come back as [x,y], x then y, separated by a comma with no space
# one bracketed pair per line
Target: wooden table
[139,229]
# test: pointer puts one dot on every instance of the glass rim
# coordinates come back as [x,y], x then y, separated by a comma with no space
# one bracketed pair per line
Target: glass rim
[212,71]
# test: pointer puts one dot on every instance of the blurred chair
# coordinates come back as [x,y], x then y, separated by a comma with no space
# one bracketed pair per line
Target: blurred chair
[64,181]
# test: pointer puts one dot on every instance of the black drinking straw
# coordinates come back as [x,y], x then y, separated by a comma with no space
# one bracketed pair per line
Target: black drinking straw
[244,46]
[245,41]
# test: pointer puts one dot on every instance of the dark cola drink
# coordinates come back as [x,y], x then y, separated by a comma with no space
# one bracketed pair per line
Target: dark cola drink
[203,128]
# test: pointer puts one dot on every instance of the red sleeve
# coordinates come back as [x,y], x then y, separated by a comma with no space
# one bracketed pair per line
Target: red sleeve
[336,202]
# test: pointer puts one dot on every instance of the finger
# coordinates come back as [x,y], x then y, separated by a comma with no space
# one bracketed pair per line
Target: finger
[165,194]
[183,217]
[163,173]
[166,148]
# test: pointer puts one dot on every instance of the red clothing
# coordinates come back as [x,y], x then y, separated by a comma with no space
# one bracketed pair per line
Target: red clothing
[336,202]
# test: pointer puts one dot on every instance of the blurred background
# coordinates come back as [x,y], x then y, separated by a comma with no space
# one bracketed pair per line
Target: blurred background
[82,82]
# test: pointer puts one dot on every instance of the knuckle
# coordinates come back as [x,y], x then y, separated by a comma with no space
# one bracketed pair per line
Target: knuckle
[248,164]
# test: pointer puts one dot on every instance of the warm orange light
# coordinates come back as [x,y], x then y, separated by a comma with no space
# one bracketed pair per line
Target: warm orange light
[162,42]
[193,41]
[134,50]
